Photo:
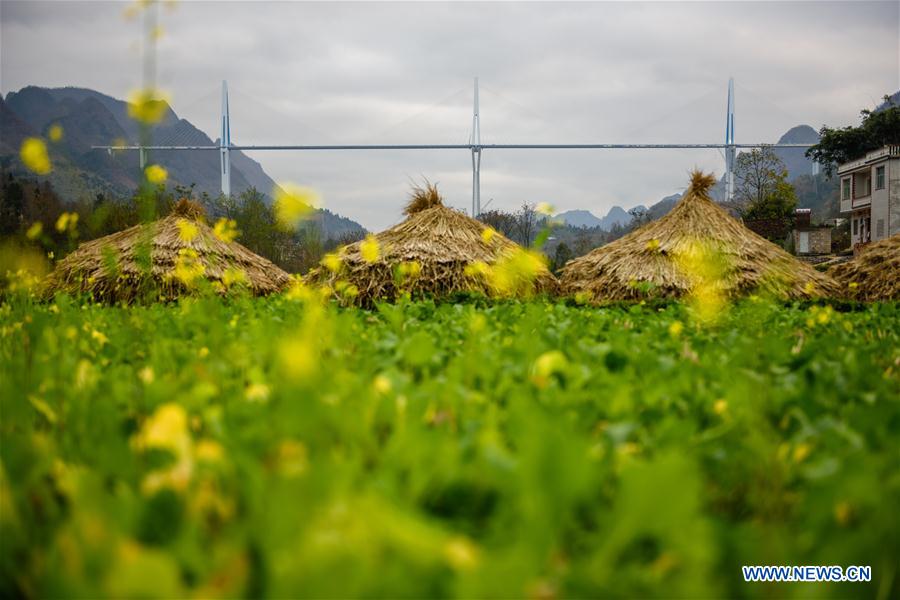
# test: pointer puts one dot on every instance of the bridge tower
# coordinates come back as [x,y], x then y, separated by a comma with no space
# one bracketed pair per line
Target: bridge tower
[730,150]
[225,143]
[475,142]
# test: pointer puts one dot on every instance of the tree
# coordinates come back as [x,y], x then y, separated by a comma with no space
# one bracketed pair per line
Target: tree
[501,221]
[878,128]
[561,256]
[761,187]
[526,224]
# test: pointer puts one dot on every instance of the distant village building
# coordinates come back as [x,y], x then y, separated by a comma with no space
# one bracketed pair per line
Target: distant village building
[809,238]
[870,195]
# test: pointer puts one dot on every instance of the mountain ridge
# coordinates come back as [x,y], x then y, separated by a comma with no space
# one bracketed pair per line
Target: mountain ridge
[91,118]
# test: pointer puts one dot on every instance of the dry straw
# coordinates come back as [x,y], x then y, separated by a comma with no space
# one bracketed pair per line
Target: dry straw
[430,254]
[660,260]
[145,261]
[874,274]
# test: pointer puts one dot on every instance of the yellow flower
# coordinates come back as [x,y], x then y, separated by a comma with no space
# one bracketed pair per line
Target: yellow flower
[34,154]
[381,384]
[369,249]
[209,451]
[293,203]
[515,272]
[461,553]
[843,512]
[298,358]
[257,392]
[676,328]
[332,262]
[55,133]
[801,451]
[101,339]
[166,428]
[147,106]
[720,407]
[546,365]
[226,230]
[544,208]
[146,375]
[67,221]
[582,297]
[653,245]
[187,230]
[156,174]
[477,268]
[410,269]
[188,266]
[852,285]
[35,230]
[233,275]
[487,235]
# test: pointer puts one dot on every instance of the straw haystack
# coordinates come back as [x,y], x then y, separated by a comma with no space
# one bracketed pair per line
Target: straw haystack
[697,243]
[874,274]
[436,252]
[163,259]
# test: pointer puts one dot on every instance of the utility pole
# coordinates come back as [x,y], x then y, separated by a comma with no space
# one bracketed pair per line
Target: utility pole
[475,142]
[225,143]
[730,150]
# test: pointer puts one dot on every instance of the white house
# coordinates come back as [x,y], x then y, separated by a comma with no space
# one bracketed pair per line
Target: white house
[870,195]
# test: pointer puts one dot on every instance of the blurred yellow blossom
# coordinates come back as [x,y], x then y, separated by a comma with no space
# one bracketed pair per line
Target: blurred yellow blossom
[676,328]
[294,203]
[55,133]
[34,154]
[67,222]
[166,428]
[653,245]
[226,230]
[461,553]
[546,365]
[257,392]
[381,384]
[544,208]
[720,407]
[515,272]
[332,262]
[156,174]
[487,234]
[187,230]
[146,375]
[147,106]
[209,451]
[299,358]
[232,276]
[188,266]
[369,249]
[35,230]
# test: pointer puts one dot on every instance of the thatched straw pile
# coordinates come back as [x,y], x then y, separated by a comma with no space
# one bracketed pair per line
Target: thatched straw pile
[430,254]
[145,261]
[874,274]
[698,240]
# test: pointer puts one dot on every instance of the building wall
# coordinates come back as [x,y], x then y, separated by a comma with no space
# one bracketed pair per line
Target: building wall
[881,209]
[893,185]
[879,206]
[819,240]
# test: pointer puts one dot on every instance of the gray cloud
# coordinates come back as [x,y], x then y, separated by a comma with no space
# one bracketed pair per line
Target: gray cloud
[551,72]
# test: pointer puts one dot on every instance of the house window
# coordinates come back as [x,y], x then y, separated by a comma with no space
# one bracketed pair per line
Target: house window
[855,226]
[845,188]
[879,178]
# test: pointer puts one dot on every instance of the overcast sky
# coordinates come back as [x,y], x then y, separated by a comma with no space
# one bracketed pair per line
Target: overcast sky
[606,72]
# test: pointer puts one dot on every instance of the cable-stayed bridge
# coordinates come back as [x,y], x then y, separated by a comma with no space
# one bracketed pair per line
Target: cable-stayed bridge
[474,146]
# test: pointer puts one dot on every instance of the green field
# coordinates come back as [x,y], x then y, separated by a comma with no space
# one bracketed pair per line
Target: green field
[282,447]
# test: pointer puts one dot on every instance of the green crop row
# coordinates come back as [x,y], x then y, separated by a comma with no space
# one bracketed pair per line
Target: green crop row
[285,447]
